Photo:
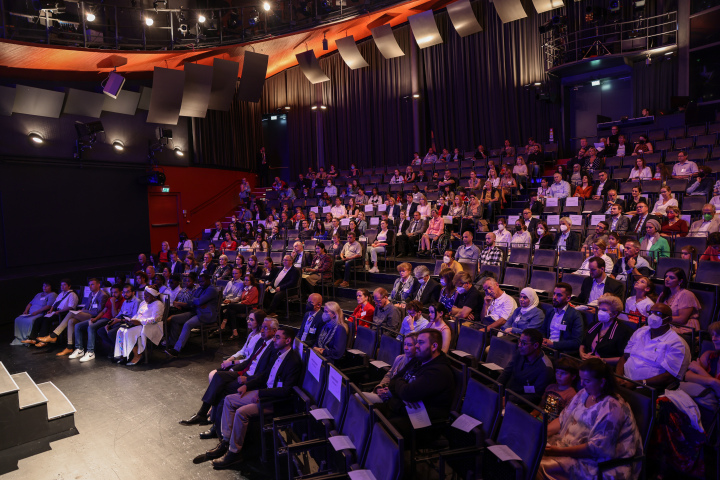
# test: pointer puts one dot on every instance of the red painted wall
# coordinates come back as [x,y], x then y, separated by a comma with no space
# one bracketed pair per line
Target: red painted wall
[192,186]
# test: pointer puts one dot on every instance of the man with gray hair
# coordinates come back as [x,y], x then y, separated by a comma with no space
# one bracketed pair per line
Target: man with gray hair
[498,305]
[429,290]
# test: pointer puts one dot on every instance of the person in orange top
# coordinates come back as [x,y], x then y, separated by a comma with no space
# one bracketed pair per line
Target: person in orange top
[584,190]
[228,244]
[365,310]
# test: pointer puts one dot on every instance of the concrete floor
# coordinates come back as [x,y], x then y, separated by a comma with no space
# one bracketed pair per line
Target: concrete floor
[127,417]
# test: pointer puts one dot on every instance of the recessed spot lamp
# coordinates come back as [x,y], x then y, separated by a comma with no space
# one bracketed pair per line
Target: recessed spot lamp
[323,107]
[90,17]
[118,145]
[178,152]
[287,107]
[148,21]
[36,137]
[416,95]
[314,107]
[201,18]
[266,6]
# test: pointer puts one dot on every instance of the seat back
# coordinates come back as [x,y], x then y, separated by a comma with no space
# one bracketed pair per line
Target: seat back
[438,267]
[516,277]
[708,272]
[593,205]
[708,302]
[693,203]
[545,258]
[665,263]
[352,331]
[384,456]
[389,349]
[700,243]
[471,341]
[570,260]
[495,270]
[501,350]
[334,397]
[314,385]
[520,255]
[366,340]
[357,423]
[543,280]
[483,401]
[460,373]
[523,433]
[575,280]
[277,246]
[642,403]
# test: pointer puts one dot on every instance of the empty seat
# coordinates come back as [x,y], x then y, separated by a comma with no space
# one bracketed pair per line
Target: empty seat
[543,280]
[693,203]
[677,132]
[470,342]
[708,272]
[575,281]
[568,260]
[501,350]
[593,205]
[520,255]
[684,143]
[700,243]
[696,130]
[663,145]
[665,263]
[706,140]
[545,258]
[656,135]
[515,277]
[698,155]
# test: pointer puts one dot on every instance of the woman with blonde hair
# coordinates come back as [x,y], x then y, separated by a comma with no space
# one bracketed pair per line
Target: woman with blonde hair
[332,340]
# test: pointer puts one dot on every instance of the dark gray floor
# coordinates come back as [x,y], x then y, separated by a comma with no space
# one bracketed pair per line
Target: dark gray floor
[127,417]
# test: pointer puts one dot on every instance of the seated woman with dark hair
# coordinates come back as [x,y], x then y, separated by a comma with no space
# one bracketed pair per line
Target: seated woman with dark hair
[596,426]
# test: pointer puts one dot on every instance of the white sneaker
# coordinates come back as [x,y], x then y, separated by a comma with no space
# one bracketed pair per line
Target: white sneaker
[374,270]
[77,353]
[88,356]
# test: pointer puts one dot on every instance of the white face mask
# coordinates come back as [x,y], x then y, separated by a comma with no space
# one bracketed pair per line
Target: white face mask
[655,321]
[563,228]
[603,316]
[540,232]
[446,259]
[501,227]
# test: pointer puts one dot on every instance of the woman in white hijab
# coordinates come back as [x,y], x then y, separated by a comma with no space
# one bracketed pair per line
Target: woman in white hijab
[527,315]
[146,324]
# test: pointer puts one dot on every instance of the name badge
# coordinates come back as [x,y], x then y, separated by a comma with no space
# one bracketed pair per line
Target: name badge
[312,330]
[562,327]
[363,313]
[529,389]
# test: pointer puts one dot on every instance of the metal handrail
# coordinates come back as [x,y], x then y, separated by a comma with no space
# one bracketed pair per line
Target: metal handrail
[561,47]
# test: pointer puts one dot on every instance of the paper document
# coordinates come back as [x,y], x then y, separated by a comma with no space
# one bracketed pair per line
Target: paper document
[379,364]
[460,353]
[492,366]
[355,351]
[361,475]
[75,311]
[341,442]
[466,423]
[321,414]
[314,365]
[372,398]
[335,383]
[418,416]
[504,453]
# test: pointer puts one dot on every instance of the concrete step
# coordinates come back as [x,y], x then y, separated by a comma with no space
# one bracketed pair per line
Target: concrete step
[7,384]
[29,393]
[58,404]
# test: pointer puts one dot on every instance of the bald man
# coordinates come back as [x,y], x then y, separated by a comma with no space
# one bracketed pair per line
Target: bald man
[312,322]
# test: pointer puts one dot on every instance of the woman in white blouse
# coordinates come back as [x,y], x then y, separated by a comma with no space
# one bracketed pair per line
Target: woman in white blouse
[247,349]
[493,178]
[375,198]
[521,237]
[502,236]
[397,178]
[381,241]
[666,200]
[424,207]
[640,171]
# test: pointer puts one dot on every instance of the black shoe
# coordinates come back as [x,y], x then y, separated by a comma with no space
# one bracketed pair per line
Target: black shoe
[172,352]
[231,459]
[208,434]
[218,451]
[195,420]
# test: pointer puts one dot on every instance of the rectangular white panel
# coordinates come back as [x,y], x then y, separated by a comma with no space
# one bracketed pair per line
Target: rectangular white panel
[87,104]
[311,67]
[509,10]
[463,18]
[125,103]
[167,94]
[225,75]
[37,101]
[425,29]
[543,6]
[196,92]
[386,42]
[350,53]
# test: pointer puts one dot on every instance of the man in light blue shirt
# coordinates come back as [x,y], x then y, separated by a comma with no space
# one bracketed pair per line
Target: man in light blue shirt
[467,252]
[560,188]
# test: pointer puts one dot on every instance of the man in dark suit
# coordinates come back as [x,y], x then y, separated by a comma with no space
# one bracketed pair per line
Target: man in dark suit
[204,307]
[531,222]
[176,266]
[602,186]
[409,206]
[277,290]
[598,283]
[612,199]
[563,328]
[637,222]
[337,229]
[218,233]
[412,235]
[300,258]
[234,372]
[428,290]
[312,321]
[275,383]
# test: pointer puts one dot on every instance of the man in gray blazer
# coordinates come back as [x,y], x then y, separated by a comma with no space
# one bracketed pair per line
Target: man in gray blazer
[618,222]
[204,307]
[708,224]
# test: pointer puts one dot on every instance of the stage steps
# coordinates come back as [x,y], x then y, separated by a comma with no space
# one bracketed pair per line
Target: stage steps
[30,413]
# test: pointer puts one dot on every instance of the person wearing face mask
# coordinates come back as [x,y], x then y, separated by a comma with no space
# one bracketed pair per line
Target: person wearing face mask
[332,339]
[642,146]
[653,246]
[607,338]
[447,291]
[544,239]
[450,263]
[521,237]
[655,354]
[526,315]
[428,290]
[708,224]
[566,239]
[502,236]
[312,322]
[490,255]
[672,225]
[563,327]
[330,189]
[468,303]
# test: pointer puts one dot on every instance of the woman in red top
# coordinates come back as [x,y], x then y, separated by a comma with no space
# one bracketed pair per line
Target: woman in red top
[712,252]
[164,253]
[250,294]
[228,244]
[365,310]
[584,190]
[673,225]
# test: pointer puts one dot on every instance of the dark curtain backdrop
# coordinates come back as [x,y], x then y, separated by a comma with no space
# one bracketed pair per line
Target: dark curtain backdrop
[654,85]
[475,86]
[229,139]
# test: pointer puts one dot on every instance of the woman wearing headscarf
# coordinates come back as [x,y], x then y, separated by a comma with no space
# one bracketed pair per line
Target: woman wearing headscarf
[527,315]
[146,324]
[654,246]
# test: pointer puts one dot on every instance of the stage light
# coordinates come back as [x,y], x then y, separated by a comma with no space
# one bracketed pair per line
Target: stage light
[36,137]
[90,17]
[233,20]
[201,18]
[266,6]
[416,95]
[325,43]
[314,107]
[287,107]
[595,83]
[615,6]
[118,145]
[178,152]
[148,21]
[323,107]
[254,18]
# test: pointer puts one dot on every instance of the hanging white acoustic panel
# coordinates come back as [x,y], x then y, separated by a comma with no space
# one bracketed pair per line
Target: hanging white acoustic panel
[311,67]
[253,76]
[386,42]
[38,101]
[167,95]
[425,29]
[350,52]
[463,18]
[125,103]
[543,6]
[86,104]
[509,10]
[224,82]
[196,91]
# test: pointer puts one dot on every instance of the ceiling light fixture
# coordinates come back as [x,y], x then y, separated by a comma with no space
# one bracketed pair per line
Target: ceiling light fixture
[36,137]
[148,21]
[266,6]
[118,145]
[90,17]
[178,152]
[201,18]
